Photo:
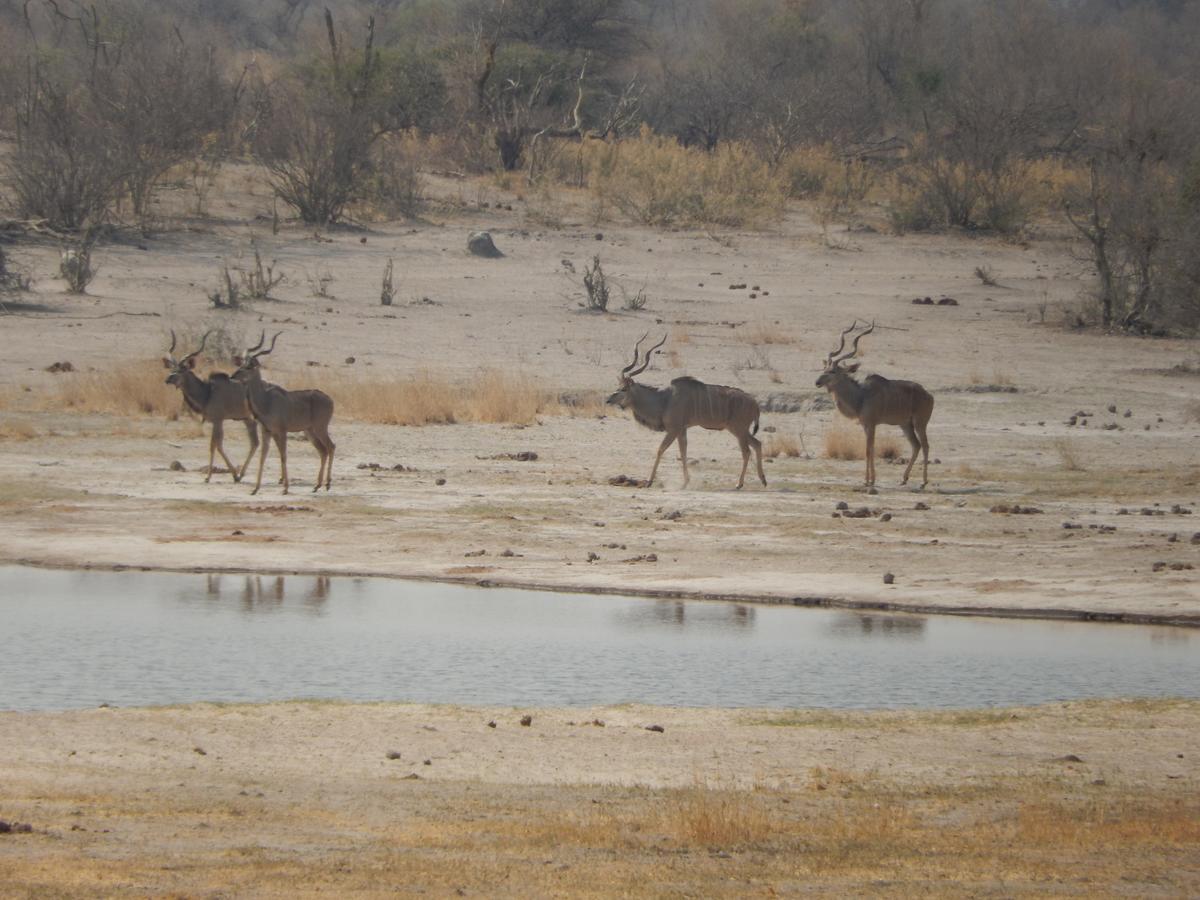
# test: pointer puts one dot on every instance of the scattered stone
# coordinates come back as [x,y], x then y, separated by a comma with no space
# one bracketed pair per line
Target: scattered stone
[947,301]
[176,466]
[673,516]
[889,578]
[1128,413]
[199,751]
[922,301]
[862,512]
[480,243]
[15,827]
[1112,408]
[1180,510]
[412,776]
[920,505]
[428,762]
[649,557]
[350,360]
[475,553]
[599,235]
[1151,511]
[738,287]
[628,481]
[393,754]
[1071,525]
[1069,758]
[656,728]
[526,721]
[520,456]
[842,504]
[509,553]
[1015,509]
[491,724]
[886,517]
[440,482]
[58,367]
[592,557]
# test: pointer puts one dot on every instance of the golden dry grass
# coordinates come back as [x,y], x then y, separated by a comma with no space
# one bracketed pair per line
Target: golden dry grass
[768,333]
[777,445]
[488,397]
[17,430]
[1068,455]
[844,440]
[135,389]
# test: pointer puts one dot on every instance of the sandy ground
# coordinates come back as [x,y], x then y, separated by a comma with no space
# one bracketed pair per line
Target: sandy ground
[98,490]
[1095,799]
[295,799]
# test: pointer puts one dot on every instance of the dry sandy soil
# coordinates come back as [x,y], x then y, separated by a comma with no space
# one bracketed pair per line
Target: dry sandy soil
[296,799]
[291,799]
[98,489]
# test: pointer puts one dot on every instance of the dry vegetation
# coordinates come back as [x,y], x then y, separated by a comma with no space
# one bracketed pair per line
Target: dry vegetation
[491,397]
[845,440]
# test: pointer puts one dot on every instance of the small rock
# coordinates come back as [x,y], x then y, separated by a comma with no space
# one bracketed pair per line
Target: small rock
[176,466]
[199,751]
[491,724]
[526,721]
[440,482]
[56,368]
[507,553]
[393,754]
[1128,413]
[738,287]
[592,557]
[947,301]
[673,516]
[1112,408]
[428,762]
[889,578]
[1070,758]
[886,517]
[920,505]
[842,504]
[350,360]
[599,235]
[480,243]
[656,728]
[475,553]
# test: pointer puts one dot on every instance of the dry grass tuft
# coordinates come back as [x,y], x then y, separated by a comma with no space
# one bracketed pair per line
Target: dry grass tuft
[1066,452]
[704,817]
[17,430]
[134,389]
[768,333]
[777,445]
[488,397]
[846,441]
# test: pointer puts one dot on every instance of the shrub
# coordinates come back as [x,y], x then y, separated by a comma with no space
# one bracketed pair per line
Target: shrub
[596,285]
[75,263]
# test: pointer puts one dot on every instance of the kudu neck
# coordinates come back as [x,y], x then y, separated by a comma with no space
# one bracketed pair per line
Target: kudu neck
[196,390]
[848,394]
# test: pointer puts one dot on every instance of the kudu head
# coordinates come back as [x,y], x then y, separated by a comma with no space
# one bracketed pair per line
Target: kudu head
[248,365]
[834,369]
[179,366]
[621,397]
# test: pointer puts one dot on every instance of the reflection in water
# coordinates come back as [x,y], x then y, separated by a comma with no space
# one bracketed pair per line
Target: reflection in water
[71,640]
[265,593]
[875,625]
[680,614]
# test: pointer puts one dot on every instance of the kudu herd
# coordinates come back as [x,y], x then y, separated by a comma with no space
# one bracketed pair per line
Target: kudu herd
[686,402]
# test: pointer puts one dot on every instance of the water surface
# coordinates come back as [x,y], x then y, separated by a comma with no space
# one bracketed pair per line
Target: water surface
[73,639]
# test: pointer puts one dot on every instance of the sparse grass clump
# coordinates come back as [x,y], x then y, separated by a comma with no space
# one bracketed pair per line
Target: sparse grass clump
[846,441]
[489,397]
[704,817]
[1067,454]
[777,445]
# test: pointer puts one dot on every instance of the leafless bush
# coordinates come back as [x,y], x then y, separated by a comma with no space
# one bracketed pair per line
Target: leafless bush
[227,294]
[635,301]
[75,263]
[387,292]
[260,280]
[596,284]
[319,281]
[12,279]
[987,277]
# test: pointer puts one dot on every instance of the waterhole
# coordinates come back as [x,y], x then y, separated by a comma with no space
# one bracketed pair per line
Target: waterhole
[76,639]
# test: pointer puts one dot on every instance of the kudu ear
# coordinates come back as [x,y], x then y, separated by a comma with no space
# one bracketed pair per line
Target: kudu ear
[190,362]
[167,364]
[237,361]
[852,368]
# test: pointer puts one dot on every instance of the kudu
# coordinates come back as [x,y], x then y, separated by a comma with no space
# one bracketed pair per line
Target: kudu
[879,401]
[280,411]
[685,403]
[214,399]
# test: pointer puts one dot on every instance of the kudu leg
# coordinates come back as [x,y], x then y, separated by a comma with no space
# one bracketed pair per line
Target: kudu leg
[870,432]
[744,444]
[924,452]
[262,459]
[757,445]
[683,455]
[662,448]
[218,442]
[911,434]
[252,432]
[281,443]
[213,438]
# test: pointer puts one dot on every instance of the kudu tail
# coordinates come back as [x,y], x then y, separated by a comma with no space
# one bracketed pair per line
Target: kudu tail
[754,430]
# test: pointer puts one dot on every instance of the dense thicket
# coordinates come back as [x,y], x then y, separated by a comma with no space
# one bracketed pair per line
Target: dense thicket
[979,115]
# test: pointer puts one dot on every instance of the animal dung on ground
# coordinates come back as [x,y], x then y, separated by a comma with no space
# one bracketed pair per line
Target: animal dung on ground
[1015,509]
[58,367]
[526,721]
[628,481]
